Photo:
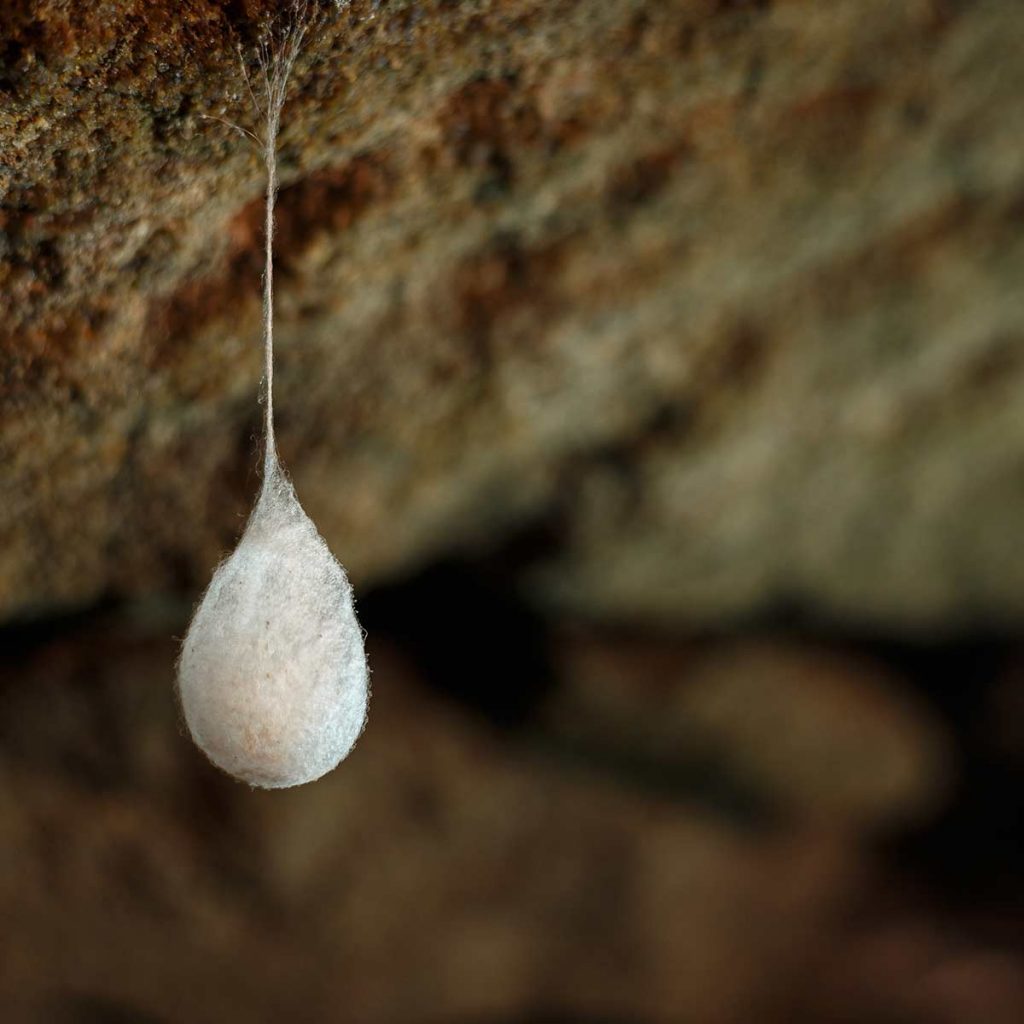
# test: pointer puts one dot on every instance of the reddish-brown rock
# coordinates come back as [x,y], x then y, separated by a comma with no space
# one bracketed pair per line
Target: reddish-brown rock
[727,292]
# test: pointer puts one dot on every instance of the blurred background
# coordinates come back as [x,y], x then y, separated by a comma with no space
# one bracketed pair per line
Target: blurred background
[655,367]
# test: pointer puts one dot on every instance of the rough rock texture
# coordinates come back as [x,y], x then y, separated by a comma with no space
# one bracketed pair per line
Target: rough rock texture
[726,295]
[449,873]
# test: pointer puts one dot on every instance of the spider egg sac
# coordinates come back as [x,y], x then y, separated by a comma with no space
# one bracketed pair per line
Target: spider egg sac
[272,676]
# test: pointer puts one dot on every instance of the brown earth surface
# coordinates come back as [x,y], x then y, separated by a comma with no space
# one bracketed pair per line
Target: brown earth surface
[724,298]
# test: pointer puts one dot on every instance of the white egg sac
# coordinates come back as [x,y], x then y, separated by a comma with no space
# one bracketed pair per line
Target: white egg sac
[272,677]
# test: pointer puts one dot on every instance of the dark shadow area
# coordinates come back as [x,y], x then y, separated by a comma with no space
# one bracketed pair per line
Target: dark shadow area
[470,637]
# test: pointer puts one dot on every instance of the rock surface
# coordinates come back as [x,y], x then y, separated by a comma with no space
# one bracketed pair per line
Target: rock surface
[725,295]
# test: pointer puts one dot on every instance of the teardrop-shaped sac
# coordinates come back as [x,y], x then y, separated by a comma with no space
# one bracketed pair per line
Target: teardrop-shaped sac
[272,676]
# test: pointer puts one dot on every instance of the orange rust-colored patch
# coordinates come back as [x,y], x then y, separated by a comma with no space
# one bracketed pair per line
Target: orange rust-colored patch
[851,101]
[743,356]
[330,201]
[503,276]
[327,201]
[829,125]
[897,257]
[485,120]
[642,179]
[996,367]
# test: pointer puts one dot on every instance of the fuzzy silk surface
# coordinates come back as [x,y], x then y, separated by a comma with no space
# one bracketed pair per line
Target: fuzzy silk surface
[273,676]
